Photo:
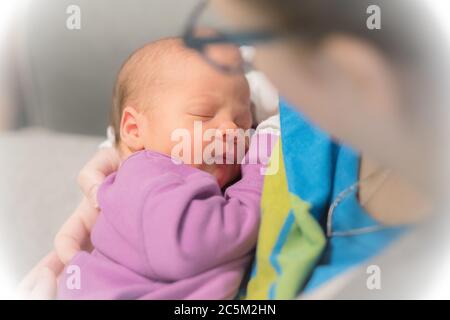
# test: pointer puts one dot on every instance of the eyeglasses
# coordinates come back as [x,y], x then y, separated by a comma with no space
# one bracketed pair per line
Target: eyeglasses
[206,43]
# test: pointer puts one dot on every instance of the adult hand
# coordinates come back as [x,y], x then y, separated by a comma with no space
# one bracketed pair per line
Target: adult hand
[104,162]
[41,282]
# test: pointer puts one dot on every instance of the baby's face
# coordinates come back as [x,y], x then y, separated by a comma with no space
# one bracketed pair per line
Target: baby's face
[195,95]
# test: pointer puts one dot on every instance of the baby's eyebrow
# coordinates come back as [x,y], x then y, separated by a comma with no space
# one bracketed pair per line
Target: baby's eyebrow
[205,101]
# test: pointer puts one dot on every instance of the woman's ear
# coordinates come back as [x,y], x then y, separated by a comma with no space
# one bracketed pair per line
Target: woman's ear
[130,133]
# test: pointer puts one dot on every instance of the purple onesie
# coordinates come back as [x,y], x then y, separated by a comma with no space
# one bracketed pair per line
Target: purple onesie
[166,231]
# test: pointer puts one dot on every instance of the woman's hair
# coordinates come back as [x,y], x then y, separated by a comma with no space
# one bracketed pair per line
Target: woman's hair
[407,26]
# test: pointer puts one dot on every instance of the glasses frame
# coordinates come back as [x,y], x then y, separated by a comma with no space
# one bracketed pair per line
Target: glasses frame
[236,38]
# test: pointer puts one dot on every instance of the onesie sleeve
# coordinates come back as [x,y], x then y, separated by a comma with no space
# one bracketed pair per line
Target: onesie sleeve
[189,226]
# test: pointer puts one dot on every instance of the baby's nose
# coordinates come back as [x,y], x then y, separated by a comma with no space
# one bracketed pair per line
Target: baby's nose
[227,126]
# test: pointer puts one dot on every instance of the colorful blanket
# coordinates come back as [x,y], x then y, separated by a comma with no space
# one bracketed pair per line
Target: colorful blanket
[292,254]
[293,240]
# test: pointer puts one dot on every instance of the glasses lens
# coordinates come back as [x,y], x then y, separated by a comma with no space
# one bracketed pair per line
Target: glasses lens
[225,56]
[213,44]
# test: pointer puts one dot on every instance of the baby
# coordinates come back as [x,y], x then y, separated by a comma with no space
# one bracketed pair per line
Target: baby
[166,228]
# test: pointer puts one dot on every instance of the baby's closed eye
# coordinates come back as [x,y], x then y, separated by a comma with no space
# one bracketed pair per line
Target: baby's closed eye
[205,112]
[201,115]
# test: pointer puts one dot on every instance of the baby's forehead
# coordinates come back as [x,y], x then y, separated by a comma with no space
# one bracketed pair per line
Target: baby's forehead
[147,65]
[168,64]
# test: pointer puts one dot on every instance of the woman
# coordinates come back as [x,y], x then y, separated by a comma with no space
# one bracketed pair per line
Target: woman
[377,90]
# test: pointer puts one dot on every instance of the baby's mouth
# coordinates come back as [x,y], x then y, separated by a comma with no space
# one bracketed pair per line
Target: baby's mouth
[230,155]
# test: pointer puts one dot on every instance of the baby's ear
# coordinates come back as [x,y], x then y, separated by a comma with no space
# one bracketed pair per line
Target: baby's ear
[130,133]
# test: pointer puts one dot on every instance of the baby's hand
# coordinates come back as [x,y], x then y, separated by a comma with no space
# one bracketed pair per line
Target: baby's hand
[104,162]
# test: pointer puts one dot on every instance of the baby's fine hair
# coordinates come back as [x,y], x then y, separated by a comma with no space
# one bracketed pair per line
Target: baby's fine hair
[141,73]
